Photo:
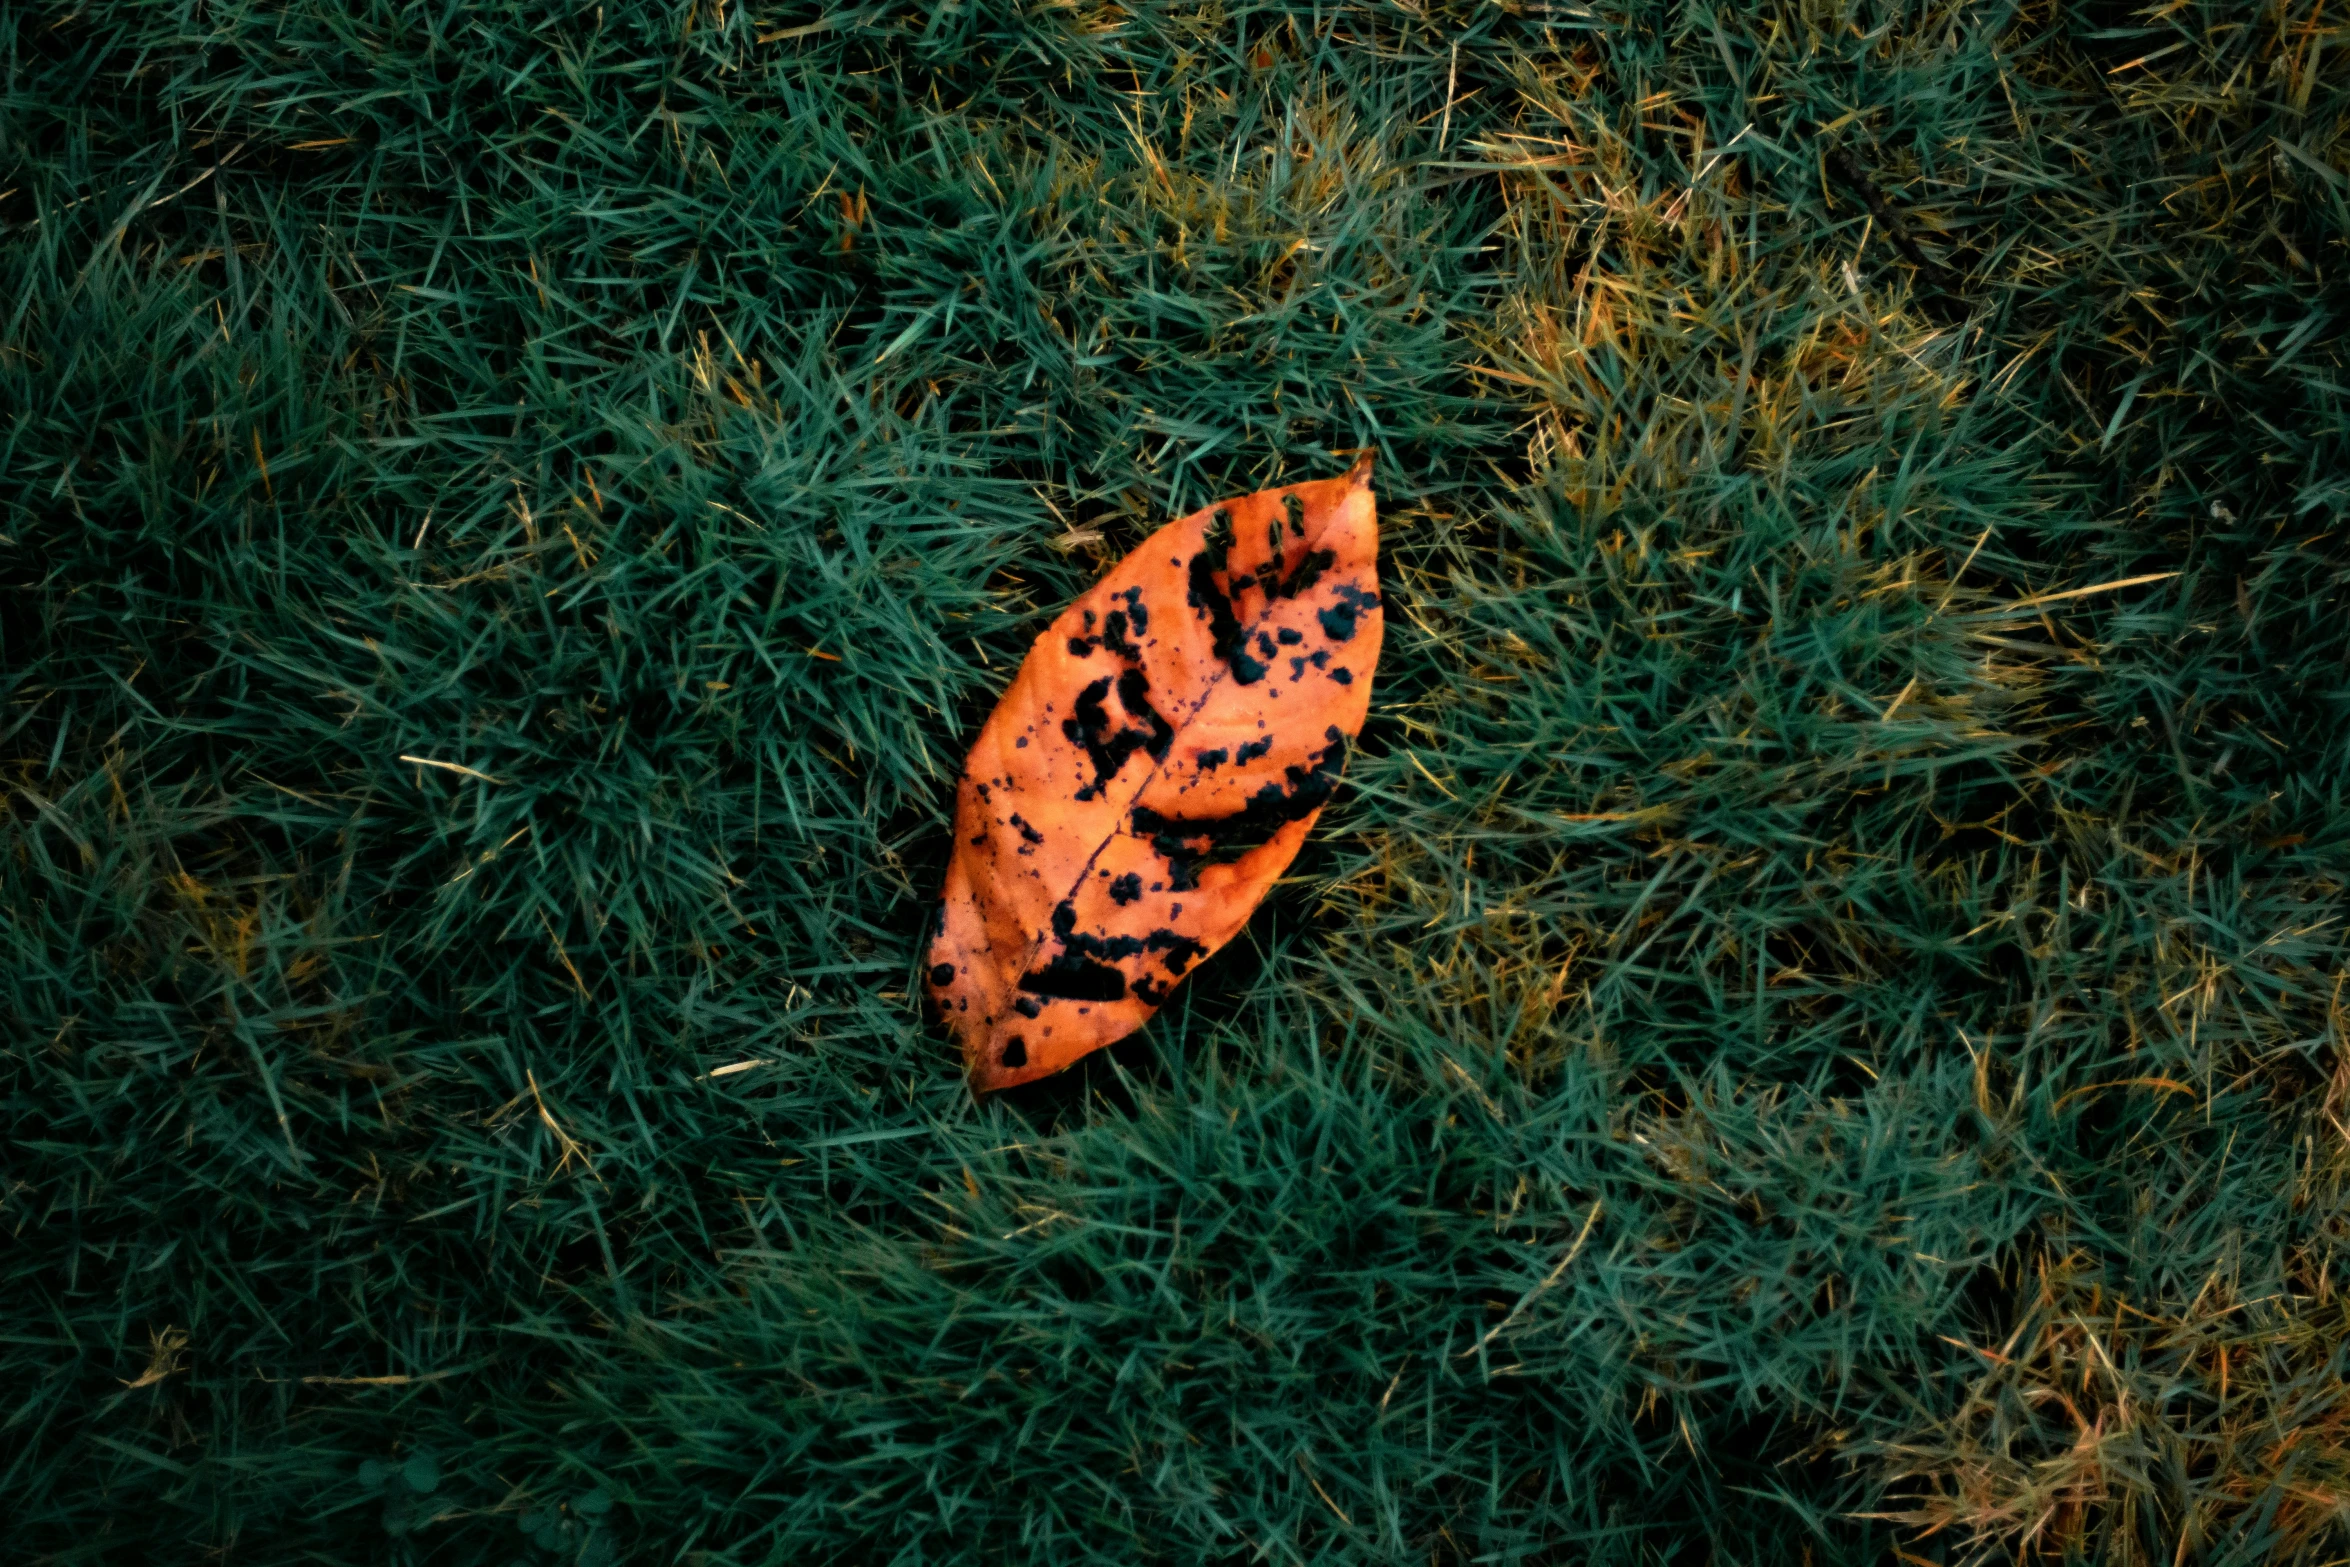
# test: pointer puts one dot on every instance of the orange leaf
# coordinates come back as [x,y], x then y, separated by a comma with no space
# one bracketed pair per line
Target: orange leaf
[1152,771]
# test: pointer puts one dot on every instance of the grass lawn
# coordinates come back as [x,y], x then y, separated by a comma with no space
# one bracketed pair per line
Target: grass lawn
[1813,1030]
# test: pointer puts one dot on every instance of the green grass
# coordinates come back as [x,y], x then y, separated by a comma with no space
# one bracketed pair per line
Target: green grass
[1798,1041]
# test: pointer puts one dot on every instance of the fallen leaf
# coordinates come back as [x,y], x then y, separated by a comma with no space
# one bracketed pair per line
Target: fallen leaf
[1151,771]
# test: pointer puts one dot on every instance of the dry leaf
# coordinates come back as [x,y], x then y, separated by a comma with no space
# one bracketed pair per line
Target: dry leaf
[1153,769]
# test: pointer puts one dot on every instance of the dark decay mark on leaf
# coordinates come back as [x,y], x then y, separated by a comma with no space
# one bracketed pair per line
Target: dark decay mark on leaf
[1134,694]
[1126,889]
[1026,831]
[1270,808]
[1229,637]
[1115,627]
[1072,976]
[1109,751]
[1016,1051]
[1079,972]
[1309,571]
[943,974]
[1338,622]
[1181,951]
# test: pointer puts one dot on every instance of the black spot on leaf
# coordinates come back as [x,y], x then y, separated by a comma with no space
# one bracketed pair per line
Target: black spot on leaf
[1113,947]
[1114,627]
[1338,621]
[1187,843]
[1309,571]
[1072,976]
[1110,747]
[1227,636]
[1134,694]
[1181,950]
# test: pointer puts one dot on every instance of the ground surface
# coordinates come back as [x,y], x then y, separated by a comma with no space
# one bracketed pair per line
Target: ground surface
[1813,1030]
